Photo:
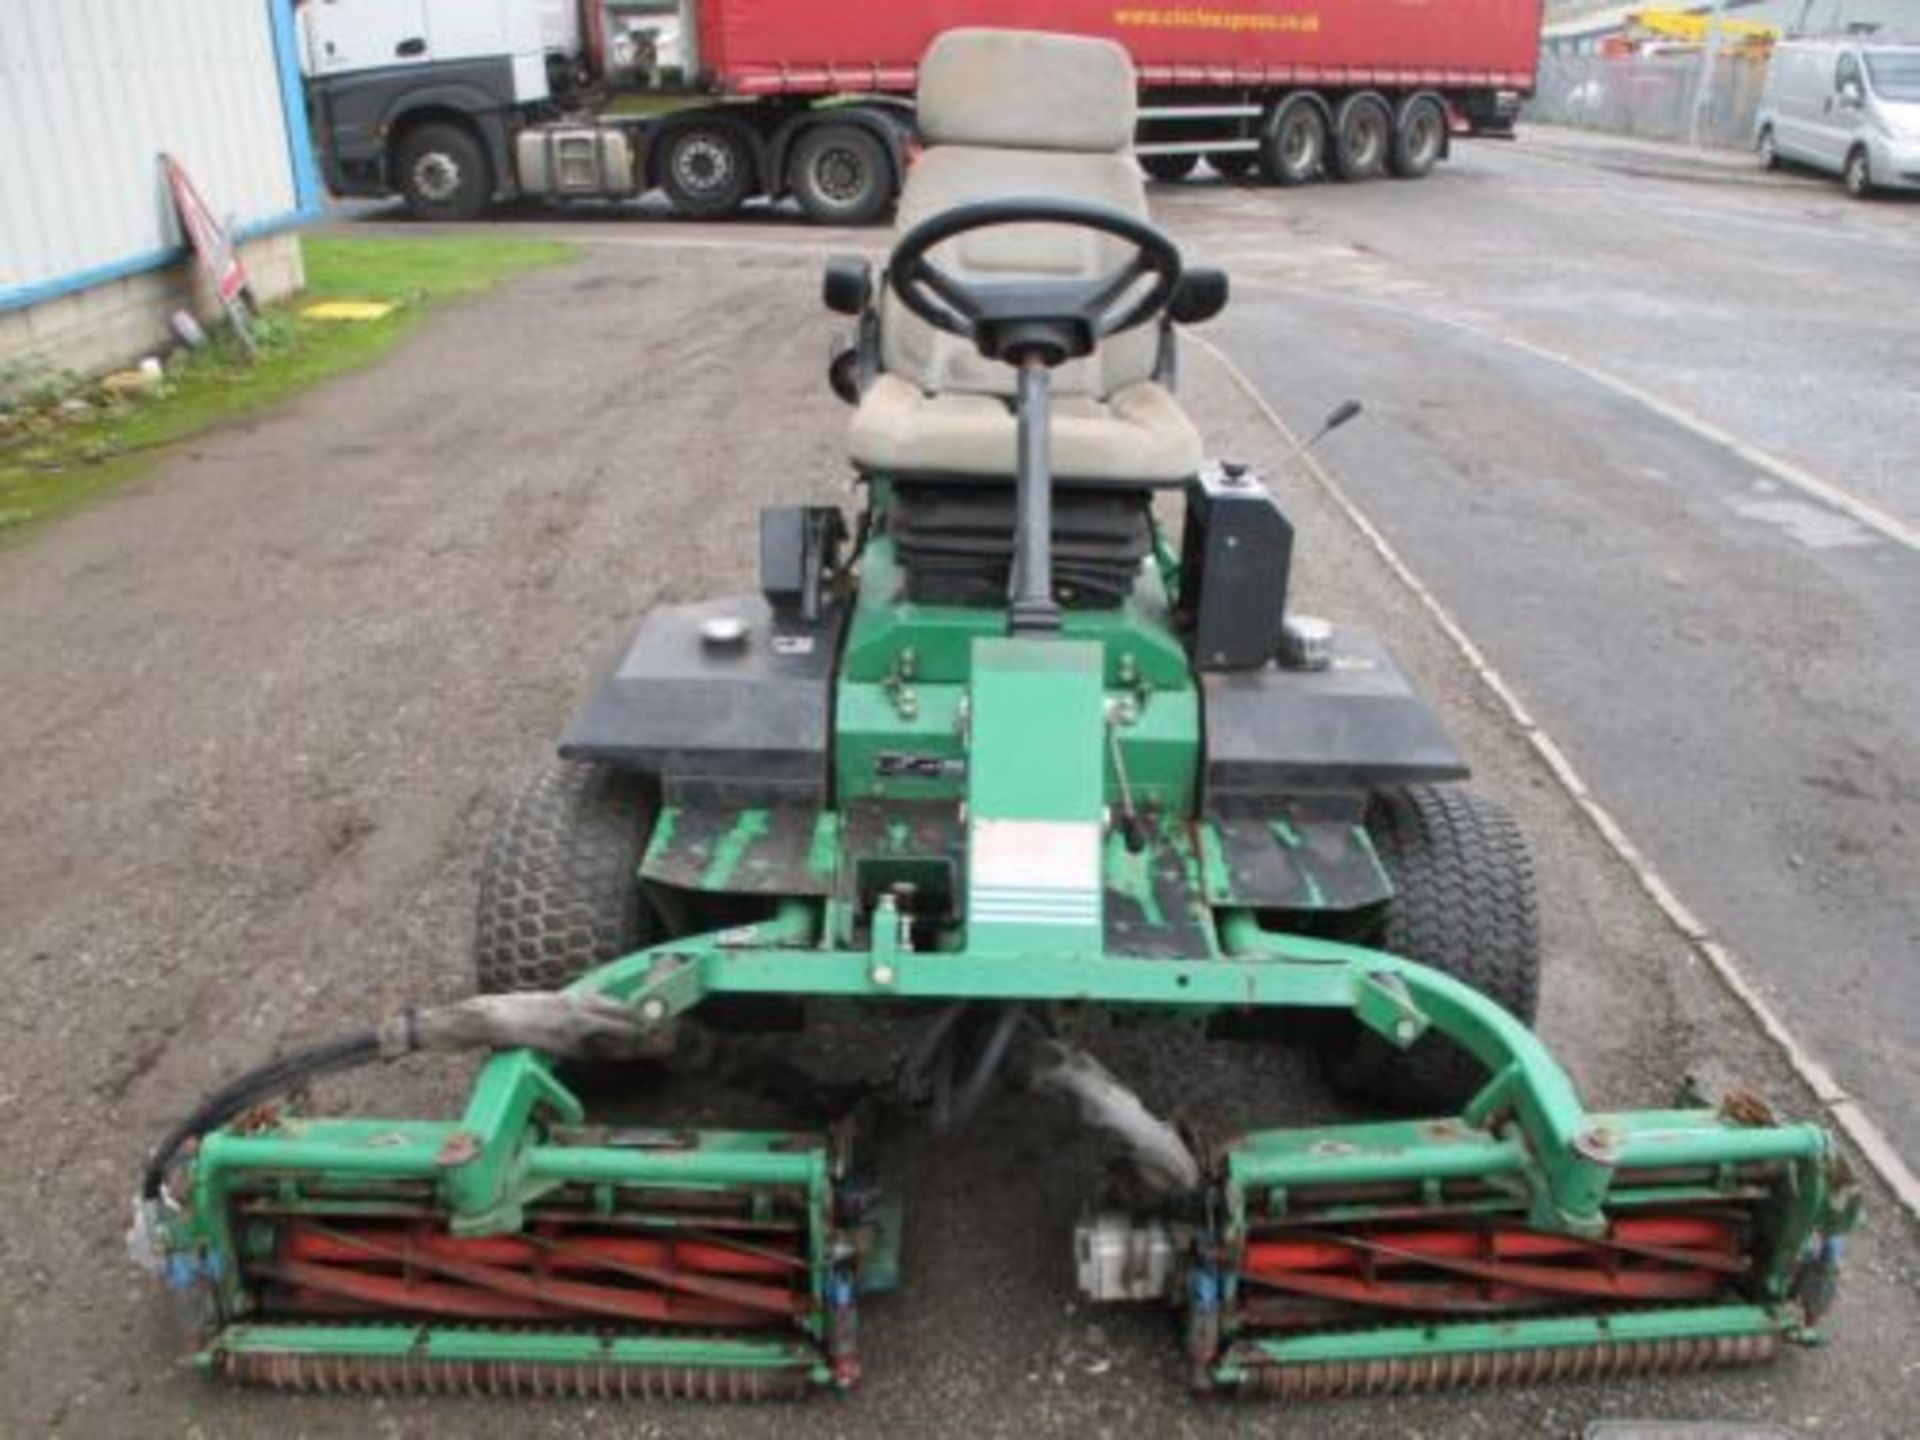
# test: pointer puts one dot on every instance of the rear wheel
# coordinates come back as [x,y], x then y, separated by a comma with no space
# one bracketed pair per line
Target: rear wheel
[559,887]
[442,171]
[1859,174]
[1293,150]
[1168,168]
[1362,137]
[706,168]
[841,175]
[1232,164]
[1419,137]
[1464,904]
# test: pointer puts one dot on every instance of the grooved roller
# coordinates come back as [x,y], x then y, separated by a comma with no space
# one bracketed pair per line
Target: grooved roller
[1330,1379]
[315,1374]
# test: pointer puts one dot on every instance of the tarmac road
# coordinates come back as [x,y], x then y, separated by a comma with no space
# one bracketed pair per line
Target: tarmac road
[1729,659]
[258,706]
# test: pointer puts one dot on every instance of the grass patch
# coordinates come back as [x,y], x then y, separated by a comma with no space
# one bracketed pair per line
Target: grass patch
[62,446]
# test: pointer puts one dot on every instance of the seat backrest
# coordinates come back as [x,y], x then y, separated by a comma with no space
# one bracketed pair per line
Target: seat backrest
[1008,113]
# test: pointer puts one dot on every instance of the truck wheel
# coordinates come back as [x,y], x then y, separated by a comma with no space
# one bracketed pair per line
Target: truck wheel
[1362,137]
[1419,137]
[1858,176]
[1464,904]
[706,168]
[1233,164]
[559,887]
[1294,147]
[443,173]
[1168,168]
[841,175]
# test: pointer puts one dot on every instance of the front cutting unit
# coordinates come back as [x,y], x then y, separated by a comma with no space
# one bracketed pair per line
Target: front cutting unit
[1015,757]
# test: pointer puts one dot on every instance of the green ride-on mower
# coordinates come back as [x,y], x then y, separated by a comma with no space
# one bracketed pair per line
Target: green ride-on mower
[1008,760]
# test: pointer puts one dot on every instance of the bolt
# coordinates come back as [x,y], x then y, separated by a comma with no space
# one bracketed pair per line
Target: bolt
[654,1011]
[1598,1144]
[1407,1031]
[883,975]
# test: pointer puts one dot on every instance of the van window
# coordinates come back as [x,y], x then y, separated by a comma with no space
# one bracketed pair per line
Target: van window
[1896,74]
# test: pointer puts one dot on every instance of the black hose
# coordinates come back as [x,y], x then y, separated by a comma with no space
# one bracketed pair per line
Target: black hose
[276,1077]
[973,1090]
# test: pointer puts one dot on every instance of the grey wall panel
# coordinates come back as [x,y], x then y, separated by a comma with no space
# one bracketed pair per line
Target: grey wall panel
[92,91]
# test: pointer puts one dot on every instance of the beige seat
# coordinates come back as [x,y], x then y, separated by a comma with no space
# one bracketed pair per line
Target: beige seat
[1010,114]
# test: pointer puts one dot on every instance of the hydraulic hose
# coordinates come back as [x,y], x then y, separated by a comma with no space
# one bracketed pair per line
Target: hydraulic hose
[237,1096]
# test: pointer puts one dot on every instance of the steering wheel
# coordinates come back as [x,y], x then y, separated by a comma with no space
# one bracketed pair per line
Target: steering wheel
[1051,320]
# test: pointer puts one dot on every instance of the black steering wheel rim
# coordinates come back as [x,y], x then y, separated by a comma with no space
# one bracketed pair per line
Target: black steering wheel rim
[959,308]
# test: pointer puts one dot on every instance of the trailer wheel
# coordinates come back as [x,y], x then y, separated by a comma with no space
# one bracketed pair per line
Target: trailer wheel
[1419,137]
[1168,168]
[559,886]
[1294,146]
[1464,904]
[1232,164]
[443,173]
[841,175]
[706,168]
[1362,137]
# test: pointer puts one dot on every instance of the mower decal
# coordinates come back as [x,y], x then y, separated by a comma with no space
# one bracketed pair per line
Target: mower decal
[1036,872]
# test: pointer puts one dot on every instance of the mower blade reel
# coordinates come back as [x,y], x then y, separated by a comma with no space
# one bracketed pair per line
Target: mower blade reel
[341,1255]
[1395,1257]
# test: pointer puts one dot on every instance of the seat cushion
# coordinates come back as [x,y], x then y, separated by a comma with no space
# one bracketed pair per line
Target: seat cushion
[948,176]
[1025,90]
[1137,435]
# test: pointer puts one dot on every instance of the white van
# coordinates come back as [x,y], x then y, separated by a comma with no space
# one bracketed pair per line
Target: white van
[1850,107]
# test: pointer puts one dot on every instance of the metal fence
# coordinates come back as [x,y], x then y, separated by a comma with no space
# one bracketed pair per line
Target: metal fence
[1653,96]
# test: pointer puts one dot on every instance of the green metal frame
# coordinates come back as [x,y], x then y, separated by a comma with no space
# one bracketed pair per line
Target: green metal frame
[1032,728]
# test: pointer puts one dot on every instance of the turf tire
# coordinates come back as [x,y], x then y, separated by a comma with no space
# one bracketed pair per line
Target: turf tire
[559,887]
[1464,904]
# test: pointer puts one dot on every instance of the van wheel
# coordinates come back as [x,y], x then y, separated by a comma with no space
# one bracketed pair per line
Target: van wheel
[1859,174]
[1769,157]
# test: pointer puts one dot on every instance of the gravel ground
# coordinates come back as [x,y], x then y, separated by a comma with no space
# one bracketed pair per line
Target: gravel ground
[259,707]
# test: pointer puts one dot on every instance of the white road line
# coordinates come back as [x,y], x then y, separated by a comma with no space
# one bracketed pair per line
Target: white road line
[1847,1113]
[1881,522]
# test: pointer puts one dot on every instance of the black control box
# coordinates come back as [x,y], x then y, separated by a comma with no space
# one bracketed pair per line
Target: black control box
[1235,555]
